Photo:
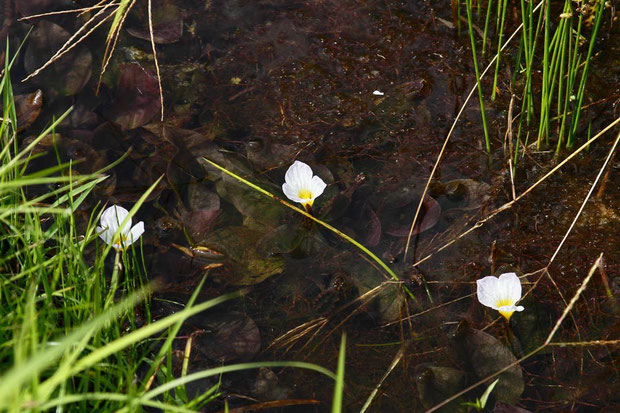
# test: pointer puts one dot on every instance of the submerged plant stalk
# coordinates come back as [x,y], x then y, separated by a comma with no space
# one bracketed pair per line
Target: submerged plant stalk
[318,221]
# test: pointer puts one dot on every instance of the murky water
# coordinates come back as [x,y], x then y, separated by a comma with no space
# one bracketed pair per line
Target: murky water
[364,92]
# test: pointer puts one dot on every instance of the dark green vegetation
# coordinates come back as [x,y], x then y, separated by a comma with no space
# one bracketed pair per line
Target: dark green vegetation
[252,86]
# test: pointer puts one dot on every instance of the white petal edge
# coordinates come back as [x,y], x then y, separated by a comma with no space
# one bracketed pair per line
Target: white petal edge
[113,216]
[318,186]
[487,290]
[105,234]
[510,308]
[298,174]
[135,233]
[291,193]
[511,286]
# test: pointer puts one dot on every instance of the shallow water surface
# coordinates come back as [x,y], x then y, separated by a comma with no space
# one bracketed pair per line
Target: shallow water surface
[254,86]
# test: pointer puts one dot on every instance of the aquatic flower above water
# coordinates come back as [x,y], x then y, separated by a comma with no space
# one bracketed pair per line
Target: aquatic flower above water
[301,186]
[111,220]
[501,293]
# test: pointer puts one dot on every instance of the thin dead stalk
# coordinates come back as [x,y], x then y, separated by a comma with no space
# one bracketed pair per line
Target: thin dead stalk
[70,43]
[161,93]
[111,41]
[586,343]
[397,358]
[53,13]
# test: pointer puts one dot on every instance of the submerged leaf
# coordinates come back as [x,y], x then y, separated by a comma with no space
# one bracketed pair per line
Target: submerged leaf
[486,355]
[281,240]
[166,20]
[251,203]
[28,108]
[435,384]
[67,75]
[387,303]
[399,208]
[246,264]
[30,7]
[373,227]
[137,97]
[230,336]
[464,194]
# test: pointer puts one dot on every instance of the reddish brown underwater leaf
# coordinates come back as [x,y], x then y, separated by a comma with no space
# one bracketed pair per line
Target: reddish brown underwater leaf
[66,76]
[137,97]
[167,23]
[28,108]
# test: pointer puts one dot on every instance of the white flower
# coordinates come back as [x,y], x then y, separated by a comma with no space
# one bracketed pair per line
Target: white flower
[501,293]
[111,220]
[378,93]
[300,186]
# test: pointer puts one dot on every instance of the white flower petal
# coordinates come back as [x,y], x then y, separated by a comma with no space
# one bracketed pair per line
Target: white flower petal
[511,286]
[105,234]
[291,193]
[298,175]
[109,231]
[487,290]
[501,293]
[317,186]
[135,233]
[509,308]
[112,218]
[300,186]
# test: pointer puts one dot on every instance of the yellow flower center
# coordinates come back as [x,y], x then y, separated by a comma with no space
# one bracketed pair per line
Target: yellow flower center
[501,303]
[120,240]
[306,194]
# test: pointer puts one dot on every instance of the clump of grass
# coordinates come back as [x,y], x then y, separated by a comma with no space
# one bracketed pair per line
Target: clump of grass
[557,40]
[68,338]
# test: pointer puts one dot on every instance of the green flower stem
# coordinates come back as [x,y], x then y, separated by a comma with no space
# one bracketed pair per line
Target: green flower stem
[318,221]
[114,282]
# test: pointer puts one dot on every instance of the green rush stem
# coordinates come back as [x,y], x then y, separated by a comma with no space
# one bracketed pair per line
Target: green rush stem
[499,46]
[557,44]
[584,74]
[458,17]
[565,38]
[477,71]
[544,99]
[573,66]
[526,50]
[318,221]
[486,25]
[517,62]
[339,385]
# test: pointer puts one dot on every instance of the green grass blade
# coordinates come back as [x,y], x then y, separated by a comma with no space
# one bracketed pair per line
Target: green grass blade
[339,387]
